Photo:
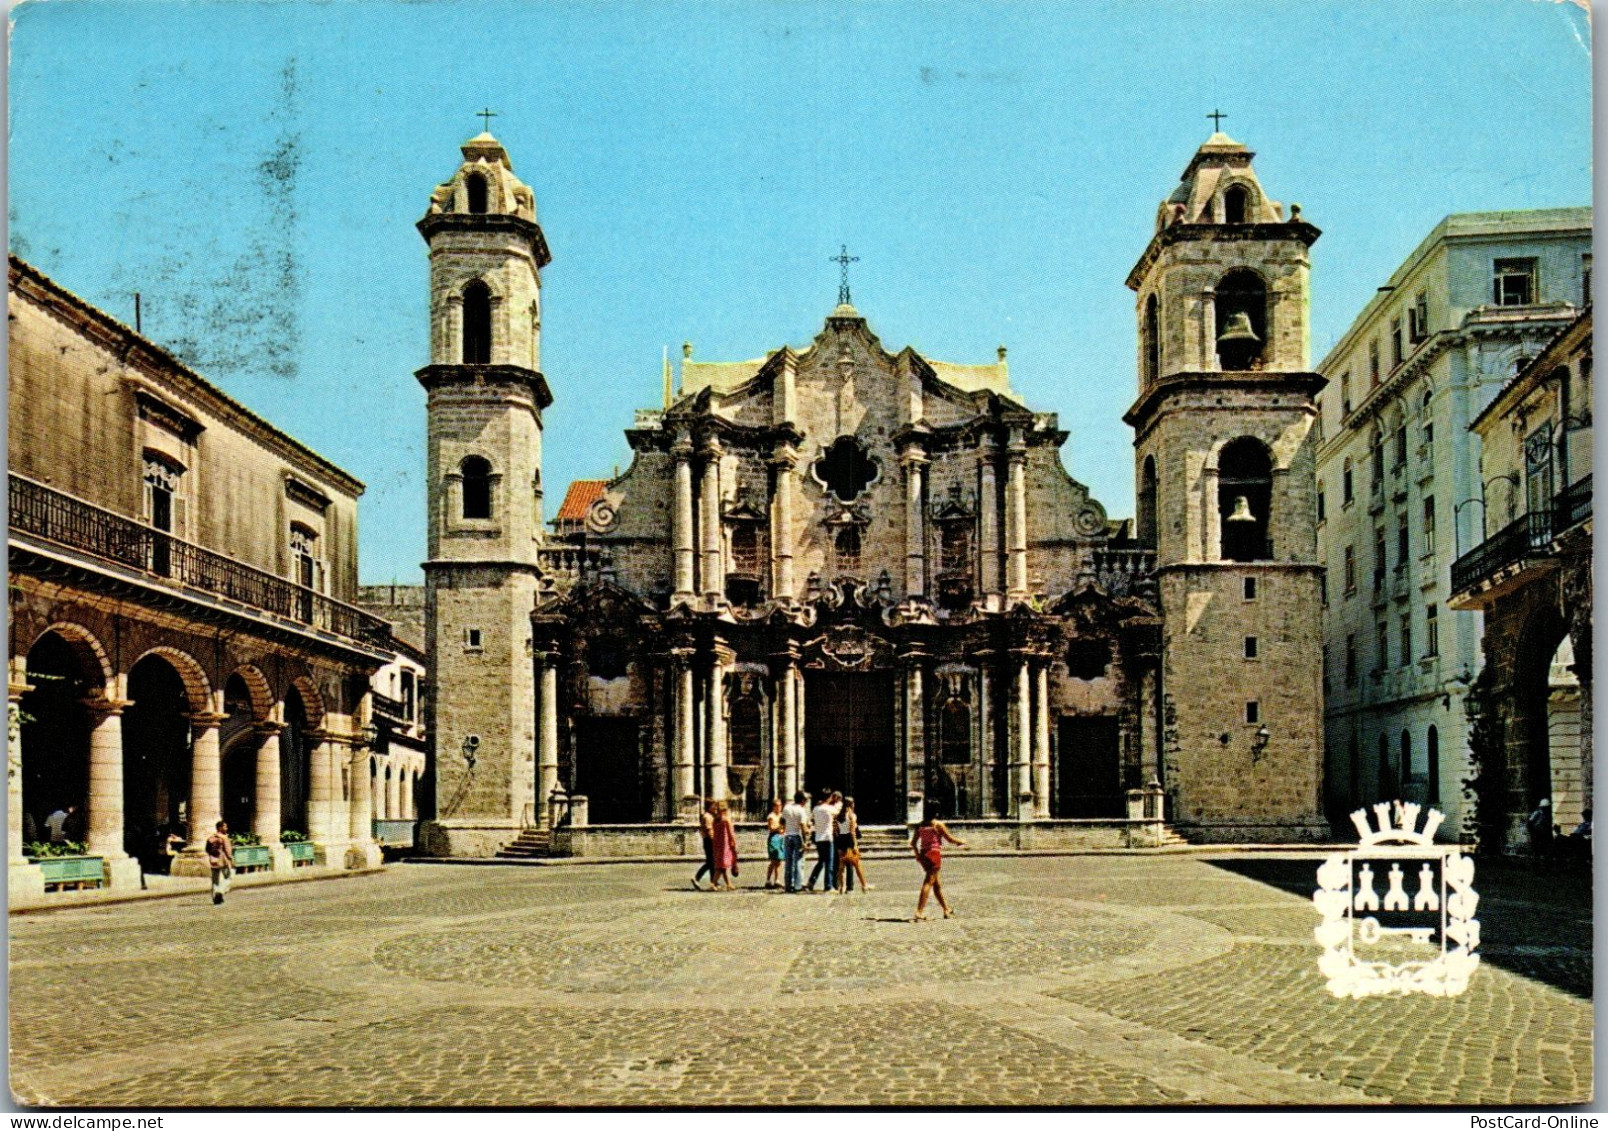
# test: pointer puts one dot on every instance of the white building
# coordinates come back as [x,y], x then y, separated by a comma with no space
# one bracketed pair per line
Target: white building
[1401,496]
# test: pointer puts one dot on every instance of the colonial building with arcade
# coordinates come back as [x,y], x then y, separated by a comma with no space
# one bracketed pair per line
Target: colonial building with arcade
[846,566]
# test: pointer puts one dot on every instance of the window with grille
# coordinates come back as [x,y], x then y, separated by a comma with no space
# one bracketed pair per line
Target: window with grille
[1431,630]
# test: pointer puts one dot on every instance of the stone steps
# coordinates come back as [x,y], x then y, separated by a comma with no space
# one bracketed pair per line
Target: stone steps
[532,844]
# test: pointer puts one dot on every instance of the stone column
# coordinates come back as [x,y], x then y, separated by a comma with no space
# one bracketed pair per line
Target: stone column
[547,733]
[681,535]
[800,746]
[984,759]
[781,533]
[1041,744]
[105,817]
[992,584]
[1021,743]
[915,745]
[1208,331]
[206,776]
[915,525]
[715,716]
[713,580]
[1149,734]
[1016,517]
[320,787]
[22,879]
[786,730]
[658,746]
[685,784]
[266,817]
[360,817]
[16,688]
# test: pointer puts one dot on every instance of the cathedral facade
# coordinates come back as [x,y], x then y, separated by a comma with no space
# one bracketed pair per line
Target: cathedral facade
[846,567]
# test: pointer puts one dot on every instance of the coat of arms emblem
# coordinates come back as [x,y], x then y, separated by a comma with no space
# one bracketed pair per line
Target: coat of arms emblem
[1398,910]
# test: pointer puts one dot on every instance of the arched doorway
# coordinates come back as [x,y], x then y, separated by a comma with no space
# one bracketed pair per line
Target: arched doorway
[55,737]
[156,755]
[238,740]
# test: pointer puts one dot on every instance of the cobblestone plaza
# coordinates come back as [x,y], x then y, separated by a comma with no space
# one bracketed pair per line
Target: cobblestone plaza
[1111,980]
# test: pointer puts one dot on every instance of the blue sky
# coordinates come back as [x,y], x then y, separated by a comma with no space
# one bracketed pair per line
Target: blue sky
[255,170]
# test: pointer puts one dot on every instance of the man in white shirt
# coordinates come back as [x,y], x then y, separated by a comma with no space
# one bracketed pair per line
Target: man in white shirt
[822,820]
[794,819]
[56,826]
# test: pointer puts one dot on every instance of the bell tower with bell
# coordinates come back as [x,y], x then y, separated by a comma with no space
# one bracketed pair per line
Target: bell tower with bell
[486,397]
[1226,498]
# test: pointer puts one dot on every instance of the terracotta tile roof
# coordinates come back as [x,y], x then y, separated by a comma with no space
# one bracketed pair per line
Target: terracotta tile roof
[579,498]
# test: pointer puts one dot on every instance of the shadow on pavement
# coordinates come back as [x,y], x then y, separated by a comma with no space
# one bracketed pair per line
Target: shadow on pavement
[1534,921]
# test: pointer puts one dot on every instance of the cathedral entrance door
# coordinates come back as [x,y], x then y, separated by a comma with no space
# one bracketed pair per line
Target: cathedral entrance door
[608,771]
[1089,769]
[850,741]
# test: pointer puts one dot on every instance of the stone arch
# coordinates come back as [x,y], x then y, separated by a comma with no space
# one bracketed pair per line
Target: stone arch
[197,688]
[477,322]
[259,689]
[1529,754]
[86,648]
[1240,202]
[1242,290]
[477,192]
[312,700]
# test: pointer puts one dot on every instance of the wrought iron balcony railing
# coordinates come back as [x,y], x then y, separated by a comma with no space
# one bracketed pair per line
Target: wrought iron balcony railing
[52,516]
[1573,506]
[1528,536]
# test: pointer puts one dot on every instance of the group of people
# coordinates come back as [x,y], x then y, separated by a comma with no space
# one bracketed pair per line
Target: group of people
[834,828]
[1548,839]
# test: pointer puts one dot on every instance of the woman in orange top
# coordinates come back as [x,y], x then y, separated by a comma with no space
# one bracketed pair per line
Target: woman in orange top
[927,845]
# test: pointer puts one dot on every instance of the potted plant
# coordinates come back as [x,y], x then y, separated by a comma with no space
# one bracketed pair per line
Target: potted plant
[67,865]
[302,850]
[250,854]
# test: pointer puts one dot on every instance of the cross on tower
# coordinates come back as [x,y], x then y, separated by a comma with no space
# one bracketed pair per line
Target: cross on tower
[844,258]
[1217,117]
[487,116]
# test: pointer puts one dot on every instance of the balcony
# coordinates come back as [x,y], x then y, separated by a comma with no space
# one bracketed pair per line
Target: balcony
[49,516]
[1502,561]
[1126,572]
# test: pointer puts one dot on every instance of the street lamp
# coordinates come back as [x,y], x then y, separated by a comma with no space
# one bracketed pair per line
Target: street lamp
[1259,744]
[1457,529]
[470,745]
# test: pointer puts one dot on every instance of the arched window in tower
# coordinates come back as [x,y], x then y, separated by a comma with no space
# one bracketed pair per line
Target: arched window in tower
[477,323]
[1235,204]
[475,189]
[1152,339]
[1241,320]
[1244,497]
[1147,504]
[476,483]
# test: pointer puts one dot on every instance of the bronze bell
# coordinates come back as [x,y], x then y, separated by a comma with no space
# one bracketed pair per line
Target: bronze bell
[1242,510]
[1238,330]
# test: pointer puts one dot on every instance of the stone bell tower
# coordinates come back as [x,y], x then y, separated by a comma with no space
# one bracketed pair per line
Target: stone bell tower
[1227,498]
[486,398]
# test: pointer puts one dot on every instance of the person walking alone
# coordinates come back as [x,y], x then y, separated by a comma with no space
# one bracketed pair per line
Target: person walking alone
[794,820]
[706,832]
[927,845]
[220,858]
[775,845]
[822,820]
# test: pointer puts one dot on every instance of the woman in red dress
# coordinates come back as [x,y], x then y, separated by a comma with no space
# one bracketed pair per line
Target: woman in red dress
[927,845]
[725,849]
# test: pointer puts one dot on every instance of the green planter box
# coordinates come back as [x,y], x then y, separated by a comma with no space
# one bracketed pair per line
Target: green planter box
[301,854]
[62,872]
[252,857]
